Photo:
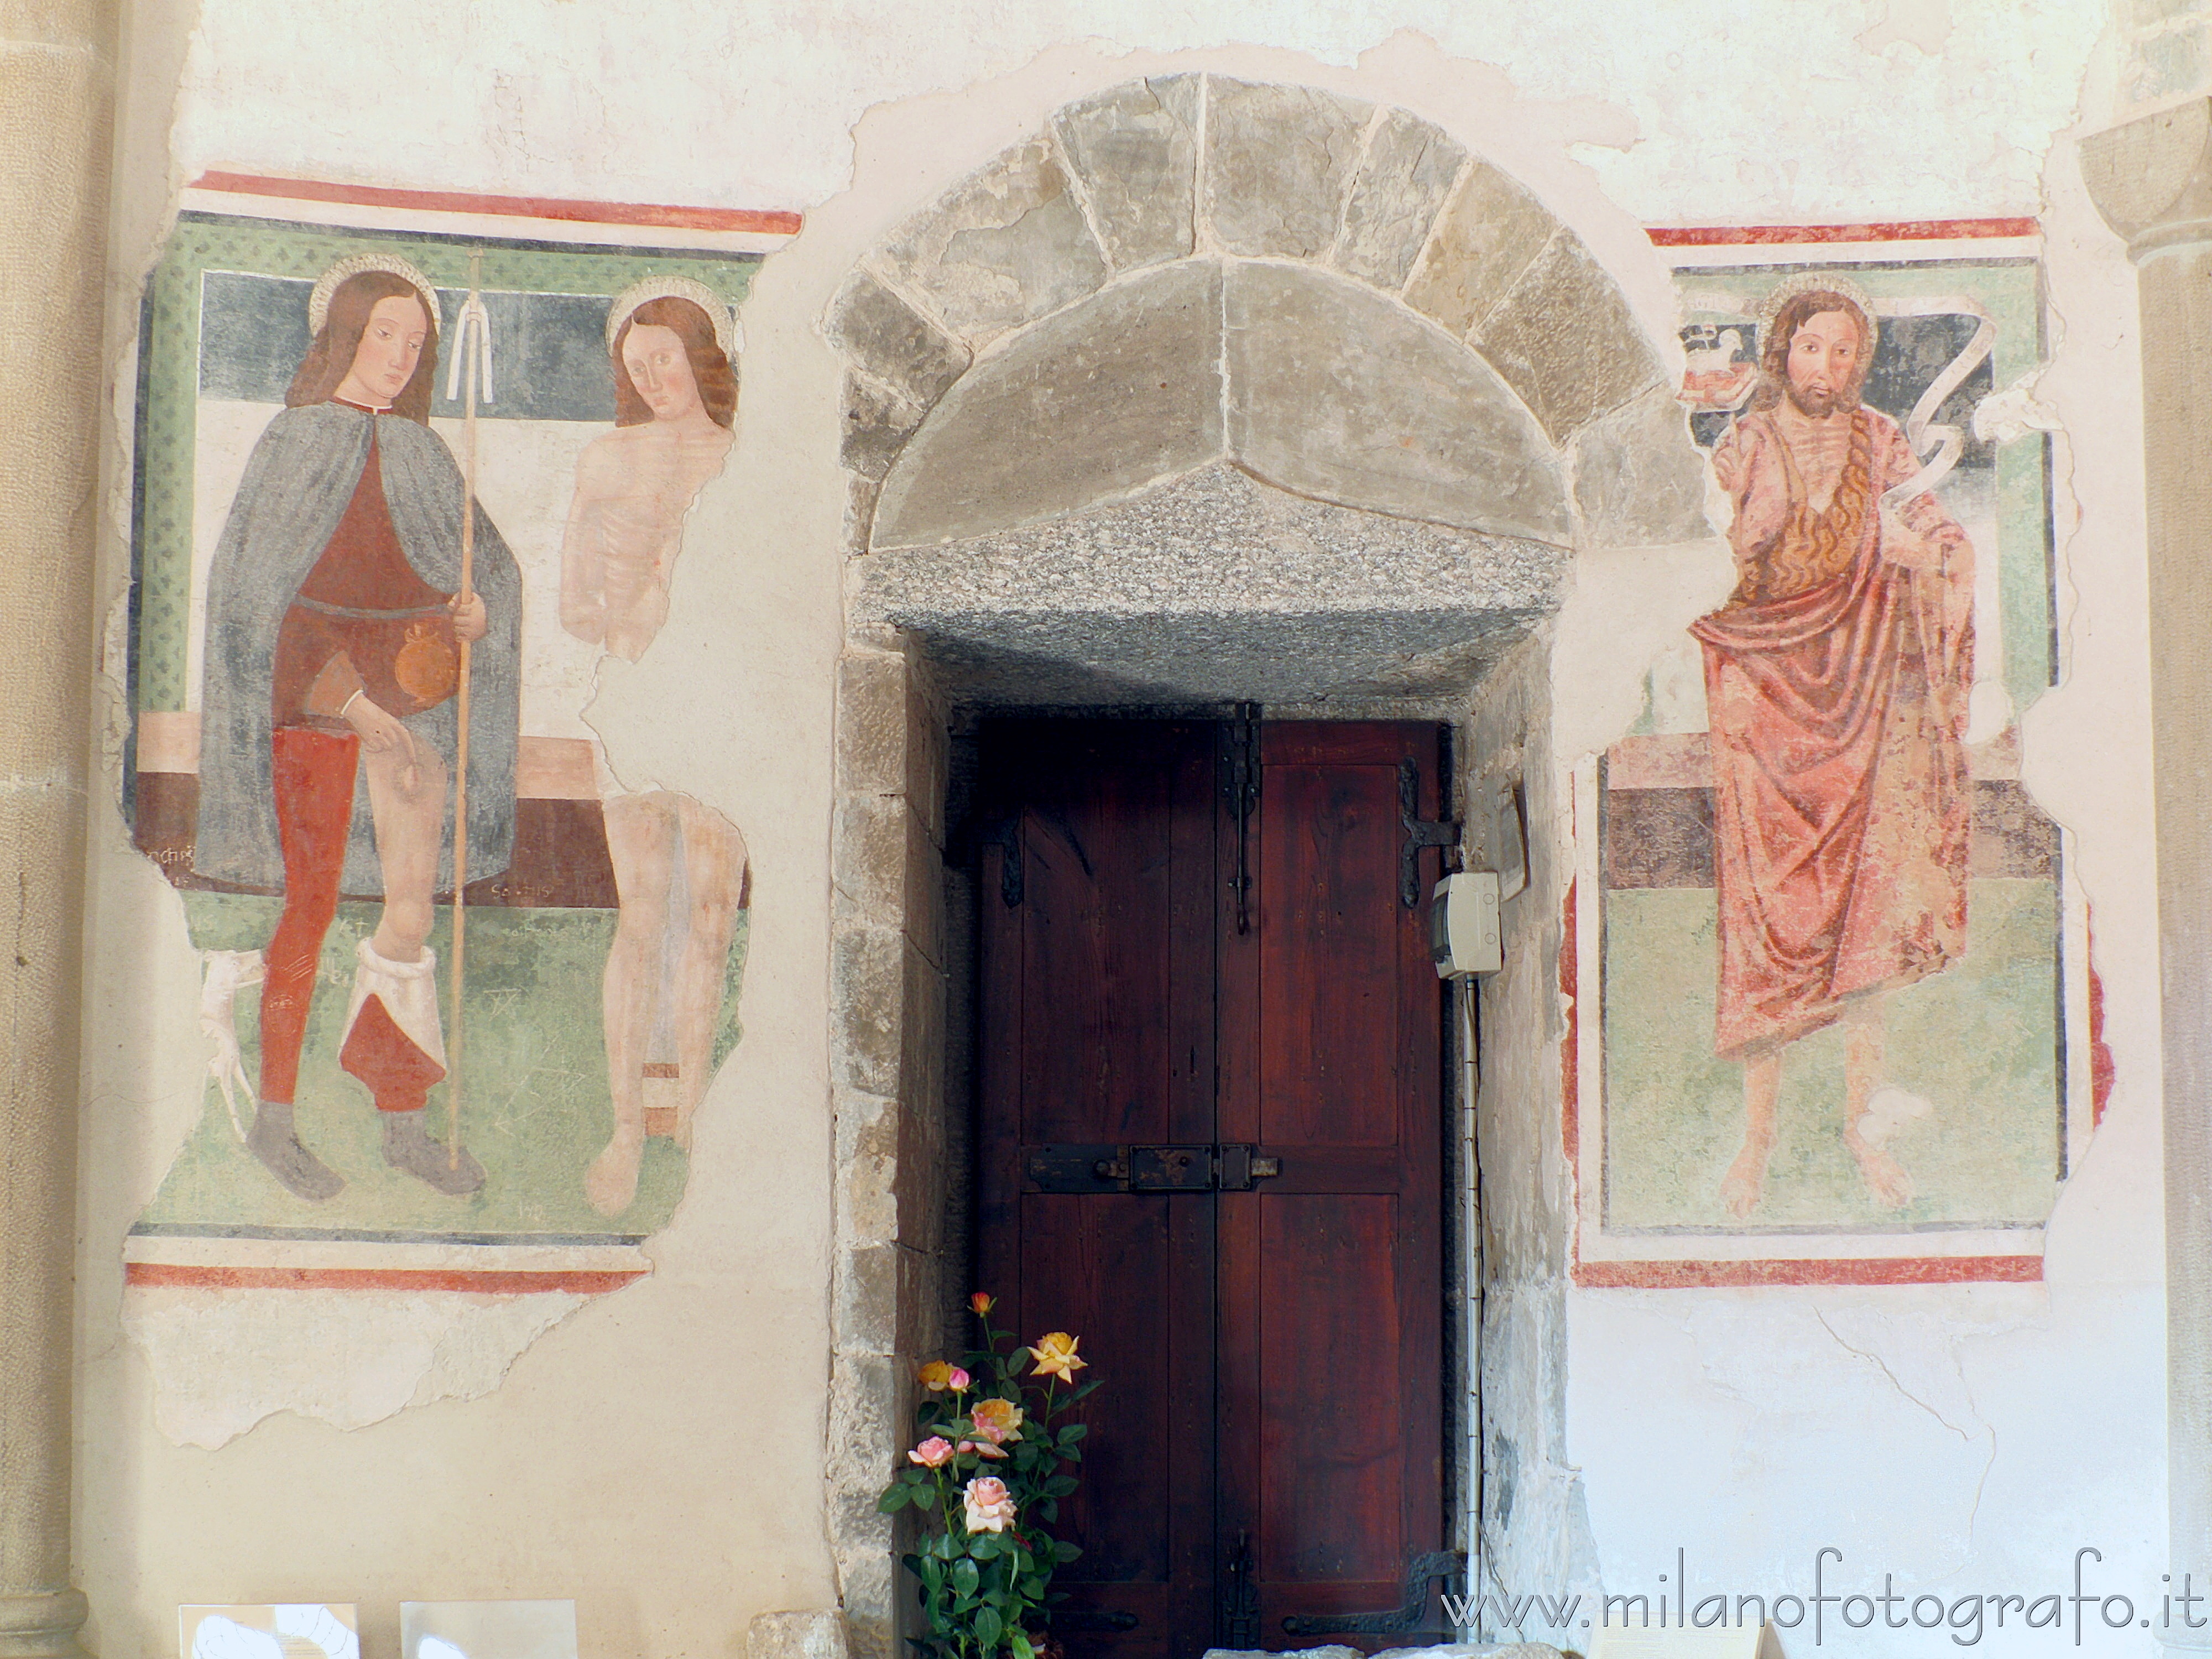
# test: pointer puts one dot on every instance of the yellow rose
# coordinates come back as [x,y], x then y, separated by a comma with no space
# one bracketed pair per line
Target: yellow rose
[1054,1354]
[997,1421]
[935,1375]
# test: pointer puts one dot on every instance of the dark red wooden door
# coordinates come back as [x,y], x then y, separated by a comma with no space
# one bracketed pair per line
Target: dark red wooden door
[1268,1442]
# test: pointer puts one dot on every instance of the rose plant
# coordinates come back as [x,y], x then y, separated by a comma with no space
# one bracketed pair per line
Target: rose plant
[987,1474]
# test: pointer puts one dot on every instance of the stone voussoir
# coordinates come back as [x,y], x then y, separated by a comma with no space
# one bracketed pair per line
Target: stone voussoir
[1640,480]
[1277,161]
[884,335]
[1565,339]
[1132,151]
[1404,176]
[1005,245]
[1491,231]
[878,420]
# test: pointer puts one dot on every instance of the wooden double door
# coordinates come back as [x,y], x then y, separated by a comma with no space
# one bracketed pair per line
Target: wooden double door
[1211,1136]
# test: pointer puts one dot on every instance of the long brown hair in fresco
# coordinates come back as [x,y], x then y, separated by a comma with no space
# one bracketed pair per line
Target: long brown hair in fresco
[710,368]
[331,358]
[1774,350]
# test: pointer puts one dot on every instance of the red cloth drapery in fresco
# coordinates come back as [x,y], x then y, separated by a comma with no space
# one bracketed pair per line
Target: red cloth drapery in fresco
[1840,805]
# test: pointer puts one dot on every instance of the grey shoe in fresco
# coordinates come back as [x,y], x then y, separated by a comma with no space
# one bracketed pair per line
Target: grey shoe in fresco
[274,1140]
[407,1145]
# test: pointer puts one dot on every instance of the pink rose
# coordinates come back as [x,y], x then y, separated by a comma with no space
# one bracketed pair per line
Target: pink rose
[989,1505]
[933,1453]
[982,1449]
[959,1381]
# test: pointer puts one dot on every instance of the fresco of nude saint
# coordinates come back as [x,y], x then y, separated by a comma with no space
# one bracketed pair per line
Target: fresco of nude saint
[1821,806]
[679,866]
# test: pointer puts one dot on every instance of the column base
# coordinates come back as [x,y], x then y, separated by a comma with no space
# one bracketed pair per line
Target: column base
[43,1626]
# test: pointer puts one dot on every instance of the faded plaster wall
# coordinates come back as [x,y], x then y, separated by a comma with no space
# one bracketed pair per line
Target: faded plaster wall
[658,1454]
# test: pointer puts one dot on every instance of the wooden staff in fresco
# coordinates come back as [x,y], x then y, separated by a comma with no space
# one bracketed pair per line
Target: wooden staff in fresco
[337,611]
[472,365]
[1837,685]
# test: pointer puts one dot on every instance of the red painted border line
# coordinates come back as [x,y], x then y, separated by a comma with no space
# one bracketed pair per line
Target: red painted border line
[1860,1270]
[499,1282]
[1907,230]
[772,221]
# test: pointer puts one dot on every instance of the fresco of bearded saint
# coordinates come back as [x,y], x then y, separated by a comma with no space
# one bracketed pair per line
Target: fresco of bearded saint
[1835,681]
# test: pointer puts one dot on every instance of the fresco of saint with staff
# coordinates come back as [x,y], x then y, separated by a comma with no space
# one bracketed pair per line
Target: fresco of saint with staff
[337,612]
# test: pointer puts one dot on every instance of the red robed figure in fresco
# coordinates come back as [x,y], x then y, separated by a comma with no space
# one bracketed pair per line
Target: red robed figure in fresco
[329,723]
[1836,683]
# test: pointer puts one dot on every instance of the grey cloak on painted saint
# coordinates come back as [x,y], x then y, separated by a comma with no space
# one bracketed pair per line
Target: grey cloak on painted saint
[297,485]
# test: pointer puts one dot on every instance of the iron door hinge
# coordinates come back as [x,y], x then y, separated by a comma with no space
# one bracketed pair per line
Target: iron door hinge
[1006,835]
[1101,1169]
[1240,1600]
[1240,792]
[1419,833]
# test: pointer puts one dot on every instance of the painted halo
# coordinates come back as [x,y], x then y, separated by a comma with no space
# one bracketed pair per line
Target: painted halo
[1817,281]
[675,287]
[319,303]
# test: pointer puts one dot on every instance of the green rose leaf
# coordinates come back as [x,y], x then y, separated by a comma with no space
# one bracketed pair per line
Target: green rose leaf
[987,1628]
[897,1498]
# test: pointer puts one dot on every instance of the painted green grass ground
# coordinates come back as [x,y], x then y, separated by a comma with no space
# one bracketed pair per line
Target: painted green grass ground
[536,1107]
[1979,1041]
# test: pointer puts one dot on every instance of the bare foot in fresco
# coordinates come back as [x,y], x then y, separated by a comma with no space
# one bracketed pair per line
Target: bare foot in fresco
[1885,1178]
[1745,1184]
[611,1183]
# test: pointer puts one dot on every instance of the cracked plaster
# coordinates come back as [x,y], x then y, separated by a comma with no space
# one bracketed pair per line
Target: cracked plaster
[345,1358]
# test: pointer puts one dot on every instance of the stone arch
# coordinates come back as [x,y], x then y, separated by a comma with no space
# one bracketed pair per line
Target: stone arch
[1199,224]
[1212,390]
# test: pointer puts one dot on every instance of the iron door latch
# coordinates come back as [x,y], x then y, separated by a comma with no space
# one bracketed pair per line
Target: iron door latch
[1080,1169]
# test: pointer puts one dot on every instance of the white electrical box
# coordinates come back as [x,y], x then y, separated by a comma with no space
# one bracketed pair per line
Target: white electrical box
[1464,936]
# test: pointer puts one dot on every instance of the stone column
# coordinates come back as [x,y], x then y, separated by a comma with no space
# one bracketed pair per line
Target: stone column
[2151,180]
[57,78]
